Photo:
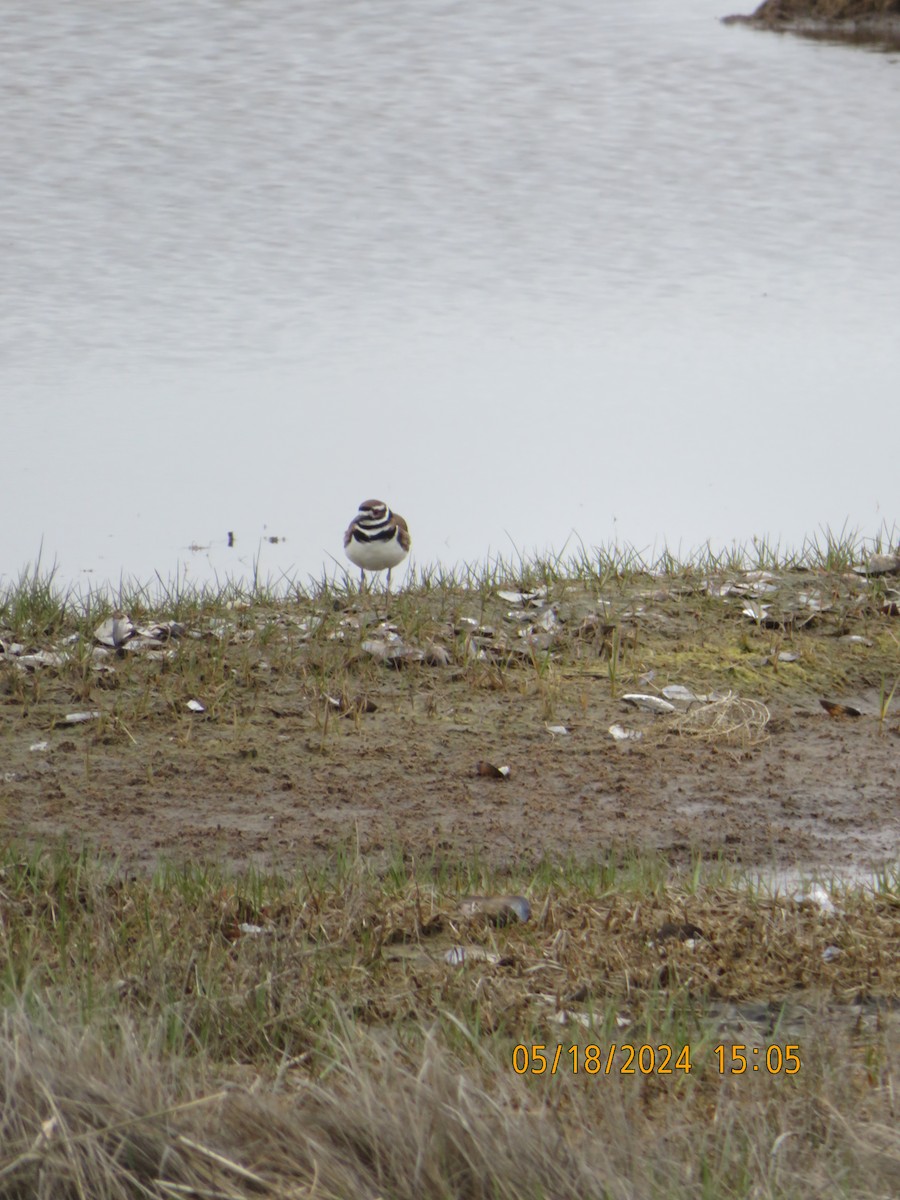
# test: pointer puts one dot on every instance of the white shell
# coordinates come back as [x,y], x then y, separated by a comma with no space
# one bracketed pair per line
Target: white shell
[880,564]
[548,621]
[523,597]
[817,895]
[42,658]
[566,1017]
[677,691]
[437,656]
[195,706]
[812,601]
[648,703]
[500,908]
[114,630]
[755,611]
[621,734]
[457,955]
[588,1020]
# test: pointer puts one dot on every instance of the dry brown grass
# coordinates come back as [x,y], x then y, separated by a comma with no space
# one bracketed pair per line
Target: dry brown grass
[105,1118]
[733,720]
[150,1047]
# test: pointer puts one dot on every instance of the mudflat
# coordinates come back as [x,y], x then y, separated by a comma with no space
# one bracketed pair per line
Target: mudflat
[281,733]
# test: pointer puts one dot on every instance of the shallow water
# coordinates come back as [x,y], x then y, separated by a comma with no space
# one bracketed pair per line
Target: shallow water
[587,273]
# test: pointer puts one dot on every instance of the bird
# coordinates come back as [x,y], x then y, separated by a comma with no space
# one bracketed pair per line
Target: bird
[376,539]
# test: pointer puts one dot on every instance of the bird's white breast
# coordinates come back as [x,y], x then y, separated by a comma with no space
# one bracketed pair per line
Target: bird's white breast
[375,556]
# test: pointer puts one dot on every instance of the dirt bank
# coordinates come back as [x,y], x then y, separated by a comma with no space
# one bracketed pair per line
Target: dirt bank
[873,23]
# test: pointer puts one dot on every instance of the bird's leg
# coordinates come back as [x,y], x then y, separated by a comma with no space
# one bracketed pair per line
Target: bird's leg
[389,581]
[362,580]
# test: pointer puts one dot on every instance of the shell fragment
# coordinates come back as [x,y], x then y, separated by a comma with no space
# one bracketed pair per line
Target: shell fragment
[621,734]
[649,703]
[458,955]
[498,910]
[677,691]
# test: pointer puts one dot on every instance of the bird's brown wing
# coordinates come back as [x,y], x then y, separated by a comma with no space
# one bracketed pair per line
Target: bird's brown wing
[403,536]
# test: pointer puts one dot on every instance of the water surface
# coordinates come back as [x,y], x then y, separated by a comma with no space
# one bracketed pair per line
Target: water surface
[558,275]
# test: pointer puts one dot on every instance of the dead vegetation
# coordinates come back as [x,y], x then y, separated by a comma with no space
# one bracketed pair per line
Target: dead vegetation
[198,1035]
[104,1120]
[731,720]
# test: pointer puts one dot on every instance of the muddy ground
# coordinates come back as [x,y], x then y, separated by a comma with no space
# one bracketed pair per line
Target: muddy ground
[274,773]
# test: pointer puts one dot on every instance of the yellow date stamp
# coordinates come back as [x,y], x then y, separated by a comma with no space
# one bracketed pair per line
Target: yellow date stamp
[628,1058]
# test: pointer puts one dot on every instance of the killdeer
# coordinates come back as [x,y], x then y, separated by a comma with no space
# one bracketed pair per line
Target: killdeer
[377,539]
